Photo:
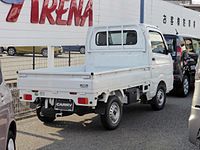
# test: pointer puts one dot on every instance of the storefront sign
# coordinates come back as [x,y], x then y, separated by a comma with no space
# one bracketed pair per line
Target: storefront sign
[179,21]
[53,11]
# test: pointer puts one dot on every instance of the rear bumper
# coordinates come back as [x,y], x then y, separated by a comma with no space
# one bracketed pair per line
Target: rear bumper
[92,100]
[194,125]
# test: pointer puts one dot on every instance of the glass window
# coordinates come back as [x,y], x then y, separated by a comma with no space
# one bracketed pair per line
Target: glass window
[189,46]
[181,43]
[196,46]
[101,39]
[157,43]
[130,37]
[114,38]
[171,43]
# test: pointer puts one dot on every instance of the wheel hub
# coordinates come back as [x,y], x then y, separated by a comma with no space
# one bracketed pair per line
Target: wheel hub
[11,51]
[186,86]
[114,113]
[160,97]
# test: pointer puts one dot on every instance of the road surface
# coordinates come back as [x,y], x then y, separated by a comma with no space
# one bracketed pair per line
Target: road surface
[140,129]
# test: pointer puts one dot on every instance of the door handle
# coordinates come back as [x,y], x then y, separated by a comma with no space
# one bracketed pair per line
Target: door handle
[153,59]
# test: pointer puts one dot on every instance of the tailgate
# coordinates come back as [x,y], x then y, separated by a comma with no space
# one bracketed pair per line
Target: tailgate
[58,82]
[68,86]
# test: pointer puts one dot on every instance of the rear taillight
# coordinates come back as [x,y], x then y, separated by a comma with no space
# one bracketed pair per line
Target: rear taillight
[82,100]
[27,97]
[179,51]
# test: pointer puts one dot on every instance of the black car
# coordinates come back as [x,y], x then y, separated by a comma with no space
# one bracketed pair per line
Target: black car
[184,51]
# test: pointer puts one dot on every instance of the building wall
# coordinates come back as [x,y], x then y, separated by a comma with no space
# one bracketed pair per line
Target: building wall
[105,12]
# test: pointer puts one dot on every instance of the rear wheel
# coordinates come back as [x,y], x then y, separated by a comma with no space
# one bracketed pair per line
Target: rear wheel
[10,141]
[82,50]
[113,114]
[42,117]
[158,102]
[44,52]
[198,143]
[185,87]
[11,51]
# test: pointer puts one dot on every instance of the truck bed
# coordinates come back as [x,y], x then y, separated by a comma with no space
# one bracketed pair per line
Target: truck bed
[82,79]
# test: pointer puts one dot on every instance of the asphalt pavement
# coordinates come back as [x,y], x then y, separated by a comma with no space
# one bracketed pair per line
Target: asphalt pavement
[140,129]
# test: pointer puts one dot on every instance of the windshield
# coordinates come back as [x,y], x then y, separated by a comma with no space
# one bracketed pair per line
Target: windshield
[171,43]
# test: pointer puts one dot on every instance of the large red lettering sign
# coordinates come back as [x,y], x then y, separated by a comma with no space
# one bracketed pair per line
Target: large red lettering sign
[58,7]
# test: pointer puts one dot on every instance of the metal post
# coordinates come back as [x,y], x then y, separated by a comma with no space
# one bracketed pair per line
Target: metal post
[69,58]
[142,11]
[50,56]
[33,57]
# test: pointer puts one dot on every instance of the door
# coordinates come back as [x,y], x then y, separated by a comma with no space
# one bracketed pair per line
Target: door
[4,115]
[162,66]
[5,111]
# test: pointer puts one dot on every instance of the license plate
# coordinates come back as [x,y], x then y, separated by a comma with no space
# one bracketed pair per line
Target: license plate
[64,105]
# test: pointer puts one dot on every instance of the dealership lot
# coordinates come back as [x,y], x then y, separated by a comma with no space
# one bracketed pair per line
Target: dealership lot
[140,129]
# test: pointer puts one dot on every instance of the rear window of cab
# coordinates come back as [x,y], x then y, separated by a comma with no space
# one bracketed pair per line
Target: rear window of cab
[115,38]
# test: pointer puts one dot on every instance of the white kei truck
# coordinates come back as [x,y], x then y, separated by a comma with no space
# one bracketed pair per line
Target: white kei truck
[124,65]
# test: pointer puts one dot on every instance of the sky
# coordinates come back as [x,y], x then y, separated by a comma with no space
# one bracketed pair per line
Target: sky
[196,1]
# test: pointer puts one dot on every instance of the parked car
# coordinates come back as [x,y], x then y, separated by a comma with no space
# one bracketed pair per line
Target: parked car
[184,51]
[7,121]
[194,120]
[21,50]
[1,50]
[74,48]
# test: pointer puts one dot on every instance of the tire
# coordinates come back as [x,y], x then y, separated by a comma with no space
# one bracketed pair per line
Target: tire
[159,100]
[184,89]
[11,51]
[44,52]
[113,114]
[198,143]
[43,118]
[82,50]
[10,141]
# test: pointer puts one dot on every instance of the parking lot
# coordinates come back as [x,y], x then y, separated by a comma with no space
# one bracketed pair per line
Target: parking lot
[140,129]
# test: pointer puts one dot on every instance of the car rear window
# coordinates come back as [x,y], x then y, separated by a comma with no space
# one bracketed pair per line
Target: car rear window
[115,38]
[171,43]
[101,39]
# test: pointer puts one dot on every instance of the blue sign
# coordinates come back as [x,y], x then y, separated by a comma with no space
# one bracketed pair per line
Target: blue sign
[12,1]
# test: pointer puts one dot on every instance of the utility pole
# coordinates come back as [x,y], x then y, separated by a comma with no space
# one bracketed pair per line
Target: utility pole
[142,11]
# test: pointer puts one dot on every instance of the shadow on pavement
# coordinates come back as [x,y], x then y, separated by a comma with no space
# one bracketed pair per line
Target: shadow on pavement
[141,128]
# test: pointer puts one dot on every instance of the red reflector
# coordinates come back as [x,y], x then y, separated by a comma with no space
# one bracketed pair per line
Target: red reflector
[27,97]
[83,100]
